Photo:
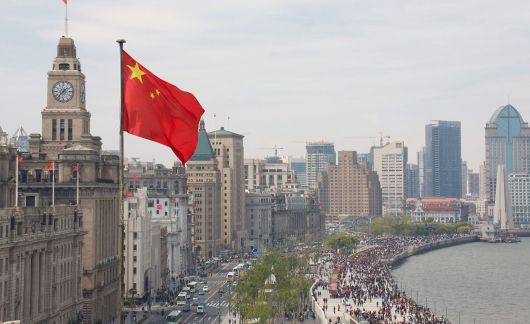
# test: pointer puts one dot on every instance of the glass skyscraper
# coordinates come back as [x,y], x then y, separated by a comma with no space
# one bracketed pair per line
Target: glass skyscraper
[443,160]
[508,143]
[318,155]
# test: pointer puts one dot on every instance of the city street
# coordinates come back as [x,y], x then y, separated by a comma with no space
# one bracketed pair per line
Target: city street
[213,300]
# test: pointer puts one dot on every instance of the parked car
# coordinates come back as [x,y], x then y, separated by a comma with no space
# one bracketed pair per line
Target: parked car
[205,288]
[186,307]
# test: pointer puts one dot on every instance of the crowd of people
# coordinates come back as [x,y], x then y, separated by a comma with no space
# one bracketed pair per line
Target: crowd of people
[365,276]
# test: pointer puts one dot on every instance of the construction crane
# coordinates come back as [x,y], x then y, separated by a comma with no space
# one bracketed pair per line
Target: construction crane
[275,148]
[381,137]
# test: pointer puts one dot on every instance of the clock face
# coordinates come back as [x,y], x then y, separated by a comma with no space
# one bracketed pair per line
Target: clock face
[63,91]
[82,93]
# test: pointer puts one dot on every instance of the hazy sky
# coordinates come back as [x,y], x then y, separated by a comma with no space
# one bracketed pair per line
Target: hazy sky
[286,72]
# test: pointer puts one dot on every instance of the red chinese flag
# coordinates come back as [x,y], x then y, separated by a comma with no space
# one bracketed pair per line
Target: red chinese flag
[65,2]
[128,194]
[135,177]
[174,199]
[75,168]
[159,111]
[50,166]
[159,206]
[20,160]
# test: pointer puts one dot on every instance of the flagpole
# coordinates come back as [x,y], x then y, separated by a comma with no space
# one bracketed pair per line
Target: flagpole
[16,183]
[66,18]
[77,185]
[53,185]
[121,180]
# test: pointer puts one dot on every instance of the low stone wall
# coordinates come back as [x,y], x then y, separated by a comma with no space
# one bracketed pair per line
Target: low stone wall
[413,250]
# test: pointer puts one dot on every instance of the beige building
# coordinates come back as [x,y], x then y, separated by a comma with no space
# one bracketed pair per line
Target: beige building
[349,189]
[40,255]
[65,144]
[228,148]
[259,220]
[204,183]
[142,247]
[270,174]
[389,162]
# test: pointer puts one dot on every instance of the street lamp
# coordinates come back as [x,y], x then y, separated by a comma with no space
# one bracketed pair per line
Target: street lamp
[219,307]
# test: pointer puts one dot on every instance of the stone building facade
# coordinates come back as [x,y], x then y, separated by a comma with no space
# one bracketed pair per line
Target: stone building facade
[67,150]
[40,255]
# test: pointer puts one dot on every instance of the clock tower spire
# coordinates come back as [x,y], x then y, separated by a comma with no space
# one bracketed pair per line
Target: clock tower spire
[65,120]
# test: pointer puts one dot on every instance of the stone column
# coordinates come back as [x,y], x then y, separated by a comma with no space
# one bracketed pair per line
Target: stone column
[42,282]
[27,287]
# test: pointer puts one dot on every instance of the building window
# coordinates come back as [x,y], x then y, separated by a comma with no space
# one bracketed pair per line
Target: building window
[61,130]
[69,129]
[64,66]
[54,129]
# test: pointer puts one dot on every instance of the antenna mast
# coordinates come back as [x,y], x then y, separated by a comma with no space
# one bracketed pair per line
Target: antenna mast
[66,17]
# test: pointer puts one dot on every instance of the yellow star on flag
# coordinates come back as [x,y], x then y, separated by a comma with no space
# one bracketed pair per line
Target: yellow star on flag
[157,92]
[152,95]
[136,72]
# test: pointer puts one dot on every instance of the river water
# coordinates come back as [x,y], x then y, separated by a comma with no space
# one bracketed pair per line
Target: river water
[478,282]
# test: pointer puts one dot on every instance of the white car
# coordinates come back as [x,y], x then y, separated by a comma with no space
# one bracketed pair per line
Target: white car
[205,289]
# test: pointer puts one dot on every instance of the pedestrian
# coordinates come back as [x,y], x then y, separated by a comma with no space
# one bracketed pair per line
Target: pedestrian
[333,309]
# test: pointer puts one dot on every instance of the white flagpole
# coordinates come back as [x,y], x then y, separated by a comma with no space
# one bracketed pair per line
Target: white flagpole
[53,184]
[16,182]
[77,185]
[66,19]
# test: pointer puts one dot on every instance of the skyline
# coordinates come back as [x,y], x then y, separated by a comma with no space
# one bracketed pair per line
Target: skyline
[364,61]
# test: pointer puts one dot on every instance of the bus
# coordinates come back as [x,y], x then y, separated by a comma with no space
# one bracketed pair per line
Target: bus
[175,317]
[193,286]
[182,298]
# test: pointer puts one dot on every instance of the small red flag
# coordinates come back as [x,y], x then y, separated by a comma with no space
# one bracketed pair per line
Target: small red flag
[135,177]
[51,166]
[65,2]
[128,194]
[159,206]
[174,199]
[20,160]
[159,111]
[75,168]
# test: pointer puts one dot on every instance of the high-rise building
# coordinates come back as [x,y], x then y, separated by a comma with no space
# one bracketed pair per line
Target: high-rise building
[507,143]
[473,184]
[66,145]
[389,163]
[519,185]
[318,156]
[41,250]
[299,166]
[443,160]
[349,189]
[421,172]
[228,149]
[204,183]
[363,158]
[413,181]
[464,178]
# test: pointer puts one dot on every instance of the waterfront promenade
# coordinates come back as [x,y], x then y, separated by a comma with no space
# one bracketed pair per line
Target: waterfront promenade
[360,289]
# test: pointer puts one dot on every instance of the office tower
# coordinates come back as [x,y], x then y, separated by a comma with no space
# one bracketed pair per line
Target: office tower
[318,156]
[389,162]
[349,189]
[363,158]
[204,183]
[443,161]
[473,184]
[412,179]
[507,143]
[299,166]
[65,151]
[229,152]
[421,172]
[463,173]
[519,184]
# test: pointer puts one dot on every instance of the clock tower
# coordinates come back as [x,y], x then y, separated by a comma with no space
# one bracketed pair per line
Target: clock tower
[65,120]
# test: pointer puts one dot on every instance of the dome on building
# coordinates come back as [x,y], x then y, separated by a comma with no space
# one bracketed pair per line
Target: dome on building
[506,111]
